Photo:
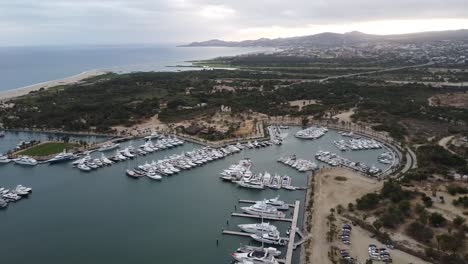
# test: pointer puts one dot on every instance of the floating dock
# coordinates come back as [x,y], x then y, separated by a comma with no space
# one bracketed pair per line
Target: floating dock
[292,234]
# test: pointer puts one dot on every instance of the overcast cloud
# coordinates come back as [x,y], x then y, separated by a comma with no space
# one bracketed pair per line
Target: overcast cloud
[35,22]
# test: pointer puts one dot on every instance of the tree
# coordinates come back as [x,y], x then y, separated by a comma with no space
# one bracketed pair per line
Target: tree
[437,220]
[419,232]
[450,242]
[427,200]
[458,221]
[368,201]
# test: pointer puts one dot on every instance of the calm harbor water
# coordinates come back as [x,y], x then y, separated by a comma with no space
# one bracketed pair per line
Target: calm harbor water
[107,217]
[22,66]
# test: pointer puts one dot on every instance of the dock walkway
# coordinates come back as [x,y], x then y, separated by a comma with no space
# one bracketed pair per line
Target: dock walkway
[292,234]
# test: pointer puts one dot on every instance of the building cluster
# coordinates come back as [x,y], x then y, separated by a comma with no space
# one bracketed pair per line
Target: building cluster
[444,52]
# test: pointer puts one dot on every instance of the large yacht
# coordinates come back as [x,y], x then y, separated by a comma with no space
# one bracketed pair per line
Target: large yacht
[255,257]
[3,203]
[25,160]
[258,228]
[269,238]
[276,202]
[4,159]
[64,156]
[311,133]
[263,209]
[154,135]
[270,250]
[108,146]
[252,184]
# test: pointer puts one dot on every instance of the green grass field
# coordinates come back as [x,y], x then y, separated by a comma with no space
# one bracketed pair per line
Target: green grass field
[46,149]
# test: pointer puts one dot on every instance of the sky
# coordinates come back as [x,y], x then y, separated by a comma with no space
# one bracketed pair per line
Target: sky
[63,22]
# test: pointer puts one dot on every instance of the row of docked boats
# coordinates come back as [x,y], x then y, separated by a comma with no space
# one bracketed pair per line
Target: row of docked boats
[313,132]
[23,160]
[178,162]
[263,232]
[386,158]
[276,135]
[357,144]
[257,144]
[334,160]
[301,165]
[241,175]
[13,195]
[87,163]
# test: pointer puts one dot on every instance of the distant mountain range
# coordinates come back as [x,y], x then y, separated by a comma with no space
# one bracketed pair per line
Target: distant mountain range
[335,39]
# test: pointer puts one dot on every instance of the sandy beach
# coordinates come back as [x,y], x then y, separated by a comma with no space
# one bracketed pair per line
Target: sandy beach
[5,95]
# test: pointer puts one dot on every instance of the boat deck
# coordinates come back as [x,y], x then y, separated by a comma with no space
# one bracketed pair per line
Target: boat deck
[265,217]
[252,202]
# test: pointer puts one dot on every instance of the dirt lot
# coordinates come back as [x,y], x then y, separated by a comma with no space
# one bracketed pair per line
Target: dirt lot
[360,240]
[459,100]
[330,192]
[345,116]
[302,103]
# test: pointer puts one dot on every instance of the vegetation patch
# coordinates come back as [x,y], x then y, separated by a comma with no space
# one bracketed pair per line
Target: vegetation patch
[340,178]
[47,148]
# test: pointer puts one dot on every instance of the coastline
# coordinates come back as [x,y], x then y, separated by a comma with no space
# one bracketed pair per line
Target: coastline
[9,94]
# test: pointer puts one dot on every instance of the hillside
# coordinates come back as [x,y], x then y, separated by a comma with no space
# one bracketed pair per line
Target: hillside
[329,39]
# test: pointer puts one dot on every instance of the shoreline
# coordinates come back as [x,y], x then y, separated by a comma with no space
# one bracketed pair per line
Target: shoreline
[10,94]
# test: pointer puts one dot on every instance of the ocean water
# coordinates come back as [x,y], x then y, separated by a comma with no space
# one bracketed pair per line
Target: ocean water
[23,66]
[106,217]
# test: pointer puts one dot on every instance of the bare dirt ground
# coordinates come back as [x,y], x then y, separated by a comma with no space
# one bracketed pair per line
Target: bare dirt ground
[329,193]
[345,116]
[146,127]
[302,103]
[459,100]
[444,142]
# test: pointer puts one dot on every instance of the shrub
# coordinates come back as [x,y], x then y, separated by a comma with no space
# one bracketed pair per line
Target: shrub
[368,201]
[419,232]
[437,220]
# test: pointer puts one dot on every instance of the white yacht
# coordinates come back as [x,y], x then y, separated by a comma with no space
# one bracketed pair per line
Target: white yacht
[263,209]
[4,159]
[255,257]
[153,175]
[3,203]
[270,250]
[105,160]
[252,184]
[25,160]
[276,202]
[311,133]
[153,136]
[269,238]
[63,156]
[83,167]
[108,146]
[258,228]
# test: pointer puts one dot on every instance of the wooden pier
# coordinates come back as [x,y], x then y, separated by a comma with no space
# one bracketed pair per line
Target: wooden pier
[265,217]
[252,202]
